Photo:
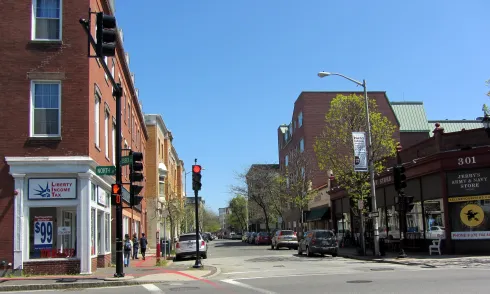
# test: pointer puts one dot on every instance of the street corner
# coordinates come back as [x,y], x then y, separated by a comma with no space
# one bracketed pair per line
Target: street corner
[182,274]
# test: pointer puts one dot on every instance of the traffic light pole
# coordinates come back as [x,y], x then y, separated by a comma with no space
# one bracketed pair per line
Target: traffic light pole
[117,93]
[198,263]
[119,209]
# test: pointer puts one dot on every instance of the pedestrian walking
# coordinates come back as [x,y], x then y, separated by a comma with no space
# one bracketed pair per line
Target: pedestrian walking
[143,244]
[135,246]
[127,250]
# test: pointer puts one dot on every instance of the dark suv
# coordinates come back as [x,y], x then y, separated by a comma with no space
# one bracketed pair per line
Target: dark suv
[319,242]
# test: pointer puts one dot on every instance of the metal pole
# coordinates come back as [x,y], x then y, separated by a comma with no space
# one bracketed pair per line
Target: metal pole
[198,263]
[247,217]
[371,173]
[119,209]
[401,214]
[165,238]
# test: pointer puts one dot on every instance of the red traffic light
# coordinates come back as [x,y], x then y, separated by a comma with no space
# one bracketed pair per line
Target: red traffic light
[196,168]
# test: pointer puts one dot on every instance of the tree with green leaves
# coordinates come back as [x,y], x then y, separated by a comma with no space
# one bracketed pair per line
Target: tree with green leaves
[299,175]
[334,147]
[210,220]
[262,183]
[238,217]
[175,211]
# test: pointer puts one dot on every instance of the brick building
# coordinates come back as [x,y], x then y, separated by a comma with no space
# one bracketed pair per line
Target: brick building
[58,126]
[164,172]
[308,122]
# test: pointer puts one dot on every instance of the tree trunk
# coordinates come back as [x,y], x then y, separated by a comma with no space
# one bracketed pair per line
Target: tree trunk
[266,216]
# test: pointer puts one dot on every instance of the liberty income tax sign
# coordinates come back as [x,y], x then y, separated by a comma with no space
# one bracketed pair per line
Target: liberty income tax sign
[47,189]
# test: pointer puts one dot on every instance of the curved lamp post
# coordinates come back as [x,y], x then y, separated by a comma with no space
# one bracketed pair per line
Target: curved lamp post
[323,74]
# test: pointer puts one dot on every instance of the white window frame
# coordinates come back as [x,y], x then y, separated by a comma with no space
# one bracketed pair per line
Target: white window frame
[113,71]
[302,145]
[98,100]
[106,60]
[34,23]
[286,160]
[300,119]
[32,94]
[106,132]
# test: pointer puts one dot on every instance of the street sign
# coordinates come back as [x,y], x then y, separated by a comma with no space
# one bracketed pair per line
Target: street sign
[126,160]
[109,170]
[374,214]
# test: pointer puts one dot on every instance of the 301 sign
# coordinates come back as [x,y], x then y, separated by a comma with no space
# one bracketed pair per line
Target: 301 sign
[466,160]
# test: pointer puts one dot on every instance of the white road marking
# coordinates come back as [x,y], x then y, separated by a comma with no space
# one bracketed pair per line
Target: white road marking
[239,284]
[152,288]
[276,270]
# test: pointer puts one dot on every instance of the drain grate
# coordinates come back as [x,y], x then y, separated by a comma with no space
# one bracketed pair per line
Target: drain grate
[382,269]
[184,289]
[359,281]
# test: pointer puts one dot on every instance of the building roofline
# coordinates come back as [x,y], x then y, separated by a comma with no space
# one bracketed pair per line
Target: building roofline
[159,122]
[454,121]
[407,103]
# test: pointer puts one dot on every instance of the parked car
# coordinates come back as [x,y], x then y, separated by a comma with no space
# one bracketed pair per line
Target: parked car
[319,242]
[251,238]
[284,238]
[246,236]
[263,238]
[186,246]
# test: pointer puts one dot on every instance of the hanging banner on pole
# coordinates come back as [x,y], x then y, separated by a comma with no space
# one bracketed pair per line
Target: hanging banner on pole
[360,152]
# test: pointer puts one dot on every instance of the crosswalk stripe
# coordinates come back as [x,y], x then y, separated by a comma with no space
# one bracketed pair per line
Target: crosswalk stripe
[152,288]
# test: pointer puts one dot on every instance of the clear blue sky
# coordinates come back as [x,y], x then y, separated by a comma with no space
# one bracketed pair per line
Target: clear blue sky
[225,74]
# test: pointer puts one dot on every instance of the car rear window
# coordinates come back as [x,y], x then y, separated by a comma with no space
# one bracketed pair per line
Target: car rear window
[187,238]
[286,233]
[323,234]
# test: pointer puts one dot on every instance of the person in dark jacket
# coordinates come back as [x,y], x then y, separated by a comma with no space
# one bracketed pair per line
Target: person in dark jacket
[135,246]
[143,243]
[127,250]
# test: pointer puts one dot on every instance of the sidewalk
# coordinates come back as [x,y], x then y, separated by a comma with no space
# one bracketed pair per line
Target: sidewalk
[139,272]
[420,259]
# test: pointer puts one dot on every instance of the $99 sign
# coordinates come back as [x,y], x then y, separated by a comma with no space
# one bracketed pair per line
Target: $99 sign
[43,232]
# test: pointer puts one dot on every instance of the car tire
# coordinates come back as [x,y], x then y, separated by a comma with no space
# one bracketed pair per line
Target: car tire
[177,258]
[335,254]
[205,256]
[299,251]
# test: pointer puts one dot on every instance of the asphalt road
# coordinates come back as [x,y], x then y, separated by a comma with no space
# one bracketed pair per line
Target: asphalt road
[257,269]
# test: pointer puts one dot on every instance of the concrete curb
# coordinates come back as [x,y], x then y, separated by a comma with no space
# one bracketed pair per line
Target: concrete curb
[212,274]
[363,258]
[60,286]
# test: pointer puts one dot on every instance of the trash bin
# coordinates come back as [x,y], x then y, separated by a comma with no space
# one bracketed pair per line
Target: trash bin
[164,246]
[382,247]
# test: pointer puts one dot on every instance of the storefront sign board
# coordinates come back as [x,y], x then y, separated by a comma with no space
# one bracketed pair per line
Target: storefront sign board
[475,235]
[48,189]
[468,182]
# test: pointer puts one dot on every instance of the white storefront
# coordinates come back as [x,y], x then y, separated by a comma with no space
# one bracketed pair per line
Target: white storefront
[62,212]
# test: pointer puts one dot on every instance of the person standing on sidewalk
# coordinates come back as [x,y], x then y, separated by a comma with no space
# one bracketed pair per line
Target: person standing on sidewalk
[135,246]
[127,250]
[143,243]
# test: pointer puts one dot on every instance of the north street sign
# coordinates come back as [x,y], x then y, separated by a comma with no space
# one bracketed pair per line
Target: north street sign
[105,170]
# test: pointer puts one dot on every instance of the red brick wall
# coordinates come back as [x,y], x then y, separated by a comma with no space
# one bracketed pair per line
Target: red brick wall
[52,267]
[408,139]
[6,213]
[104,260]
[94,264]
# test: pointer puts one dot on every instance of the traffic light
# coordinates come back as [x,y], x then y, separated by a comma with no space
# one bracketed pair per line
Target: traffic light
[136,175]
[399,177]
[196,177]
[105,35]
[409,203]
[116,197]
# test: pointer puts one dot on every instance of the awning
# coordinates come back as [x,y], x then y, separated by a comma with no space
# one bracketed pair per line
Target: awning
[317,214]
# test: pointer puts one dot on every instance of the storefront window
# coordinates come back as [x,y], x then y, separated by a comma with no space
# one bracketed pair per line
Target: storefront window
[434,219]
[92,229]
[100,225]
[125,225]
[469,219]
[52,232]
[93,192]
[107,232]
[393,229]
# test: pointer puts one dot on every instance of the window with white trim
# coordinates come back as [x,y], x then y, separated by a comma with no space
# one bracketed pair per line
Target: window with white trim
[286,160]
[106,133]
[113,71]
[106,60]
[45,109]
[302,145]
[46,20]
[97,120]
[300,119]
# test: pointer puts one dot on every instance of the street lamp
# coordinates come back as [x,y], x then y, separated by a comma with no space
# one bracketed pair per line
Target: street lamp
[323,74]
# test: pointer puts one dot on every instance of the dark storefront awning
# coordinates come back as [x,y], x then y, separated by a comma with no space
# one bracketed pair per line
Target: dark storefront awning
[317,214]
